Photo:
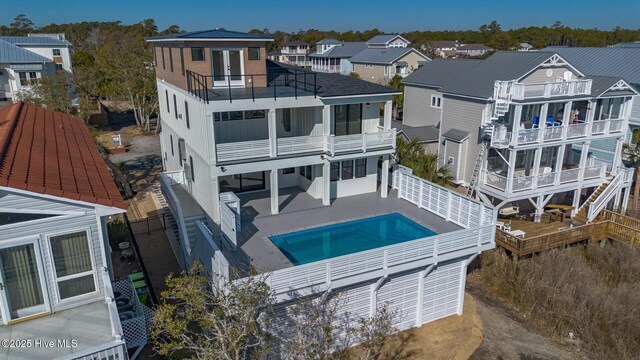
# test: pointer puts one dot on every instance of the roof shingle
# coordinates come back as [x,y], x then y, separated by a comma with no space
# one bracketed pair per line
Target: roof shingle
[48,152]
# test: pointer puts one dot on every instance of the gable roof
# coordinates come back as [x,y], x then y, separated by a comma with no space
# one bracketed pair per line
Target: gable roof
[213,34]
[602,84]
[618,62]
[47,152]
[479,81]
[442,43]
[12,54]
[344,51]
[328,41]
[384,39]
[456,135]
[427,133]
[435,73]
[34,40]
[383,56]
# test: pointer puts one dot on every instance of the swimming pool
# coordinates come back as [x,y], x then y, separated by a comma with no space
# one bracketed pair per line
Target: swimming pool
[326,242]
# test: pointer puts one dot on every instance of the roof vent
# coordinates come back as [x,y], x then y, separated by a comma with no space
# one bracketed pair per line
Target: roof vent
[220,29]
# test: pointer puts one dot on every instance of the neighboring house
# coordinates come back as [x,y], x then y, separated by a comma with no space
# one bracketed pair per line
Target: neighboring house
[333,56]
[250,160]
[635,44]
[24,59]
[292,53]
[522,127]
[427,135]
[387,41]
[473,49]
[56,196]
[442,48]
[525,47]
[619,61]
[380,65]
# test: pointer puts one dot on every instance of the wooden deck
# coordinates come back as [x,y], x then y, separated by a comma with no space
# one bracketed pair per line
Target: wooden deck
[542,237]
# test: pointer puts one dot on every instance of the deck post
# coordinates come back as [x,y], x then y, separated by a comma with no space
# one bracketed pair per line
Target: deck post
[326,188]
[584,157]
[273,183]
[539,208]
[576,201]
[559,161]
[625,198]
[384,183]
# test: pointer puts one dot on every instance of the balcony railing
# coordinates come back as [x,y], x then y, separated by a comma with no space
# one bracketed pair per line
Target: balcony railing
[525,183]
[502,138]
[520,91]
[279,82]
[329,144]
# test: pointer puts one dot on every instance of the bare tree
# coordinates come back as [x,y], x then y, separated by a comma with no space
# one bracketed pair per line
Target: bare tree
[373,333]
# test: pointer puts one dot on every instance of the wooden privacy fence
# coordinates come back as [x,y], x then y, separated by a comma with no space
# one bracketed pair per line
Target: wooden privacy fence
[608,225]
[149,225]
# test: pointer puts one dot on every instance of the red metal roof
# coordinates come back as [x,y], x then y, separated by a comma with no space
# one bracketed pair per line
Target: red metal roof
[52,153]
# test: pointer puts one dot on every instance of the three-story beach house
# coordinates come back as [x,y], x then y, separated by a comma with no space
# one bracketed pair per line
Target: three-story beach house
[286,172]
[527,128]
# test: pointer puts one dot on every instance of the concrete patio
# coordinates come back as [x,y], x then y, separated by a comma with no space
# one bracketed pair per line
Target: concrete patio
[88,325]
[300,211]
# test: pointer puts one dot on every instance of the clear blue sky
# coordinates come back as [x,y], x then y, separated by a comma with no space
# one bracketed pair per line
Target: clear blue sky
[341,15]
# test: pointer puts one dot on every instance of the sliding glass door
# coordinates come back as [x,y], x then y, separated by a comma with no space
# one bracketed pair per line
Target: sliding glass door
[243,182]
[347,119]
[22,281]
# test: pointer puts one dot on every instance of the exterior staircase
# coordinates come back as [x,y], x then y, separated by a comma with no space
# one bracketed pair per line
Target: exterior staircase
[473,182]
[582,215]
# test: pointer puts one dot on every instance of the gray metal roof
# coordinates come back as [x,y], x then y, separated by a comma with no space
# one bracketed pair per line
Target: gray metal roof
[384,39]
[437,72]
[295,43]
[635,44]
[474,47]
[328,41]
[383,56]
[12,54]
[346,50]
[600,84]
[34,40]
[428,133]
[214,34]
[479,81]
[618,62]
[456,135]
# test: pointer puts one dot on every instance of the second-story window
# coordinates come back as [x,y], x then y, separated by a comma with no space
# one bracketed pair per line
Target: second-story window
[197,54]
[186,114]
[56,52]
[254,53]
[175,106]
[348,119]
[166,95]
[171,140]
[436,101]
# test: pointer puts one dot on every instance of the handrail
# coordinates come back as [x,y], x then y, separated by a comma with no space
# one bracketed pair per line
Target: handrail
[199,85]
[601,201]
[114,319]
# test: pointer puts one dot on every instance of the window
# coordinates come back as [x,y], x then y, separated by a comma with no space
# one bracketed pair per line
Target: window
[162,51]
[155,56]
[361,168]
[171,140]
[347,170]
[166,95]
[24,80]
[305,171]
[436,101]
[286,120]
[175,106]
[368,66]
[73,265]
[193,179]
[254,114]
[186,114]
[235,115]
[56,52]
[171,59]
[347,119]
[182,151]
[58,67]
[197,54]
[254,53]
[182,61]
[386,70]
[334,171]
[32,76]
[288,171]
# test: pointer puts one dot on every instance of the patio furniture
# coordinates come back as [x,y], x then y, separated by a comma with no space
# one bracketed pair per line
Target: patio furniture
[500,225]
[518,233]
[514,209]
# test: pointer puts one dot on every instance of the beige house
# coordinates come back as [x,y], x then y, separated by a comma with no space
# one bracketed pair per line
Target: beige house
[381,65]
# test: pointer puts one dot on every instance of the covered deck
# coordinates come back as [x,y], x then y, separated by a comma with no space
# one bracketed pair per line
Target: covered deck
[64,334]
[300,211]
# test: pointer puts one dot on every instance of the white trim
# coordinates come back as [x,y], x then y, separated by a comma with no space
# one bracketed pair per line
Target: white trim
[87,231]
[38,211]
[35,240]
[553,60]
[107,210]
[36,221]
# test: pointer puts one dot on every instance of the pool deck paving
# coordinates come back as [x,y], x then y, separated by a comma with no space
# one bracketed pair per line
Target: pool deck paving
[300,211]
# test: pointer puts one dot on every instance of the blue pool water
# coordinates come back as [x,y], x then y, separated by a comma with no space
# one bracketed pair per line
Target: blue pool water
[325,242]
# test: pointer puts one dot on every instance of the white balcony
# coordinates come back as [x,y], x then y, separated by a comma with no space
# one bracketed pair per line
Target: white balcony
[521,183]
[502,138]
[301,145]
